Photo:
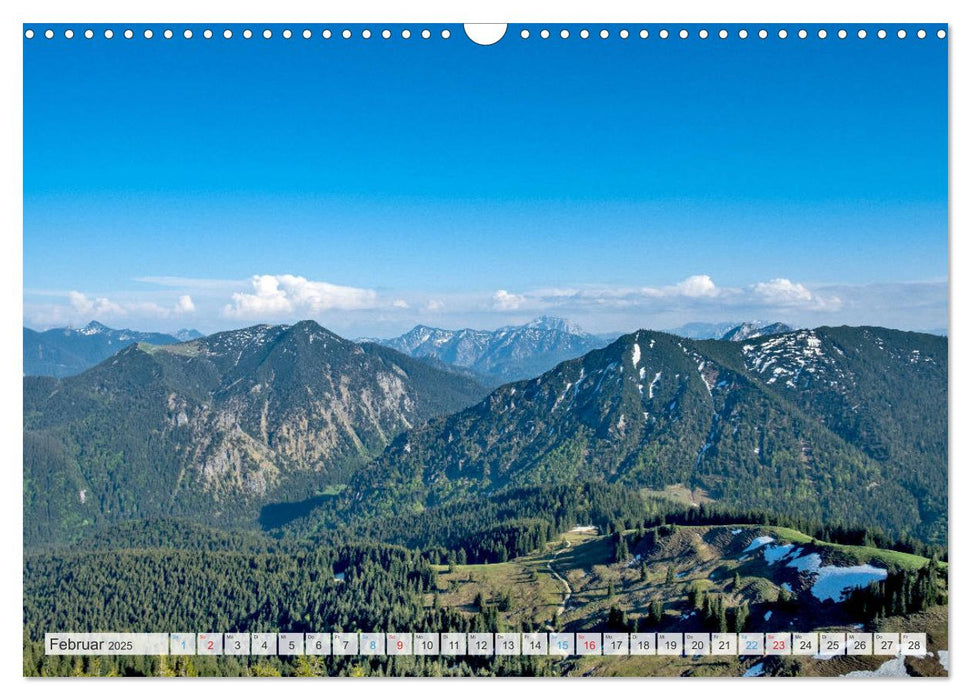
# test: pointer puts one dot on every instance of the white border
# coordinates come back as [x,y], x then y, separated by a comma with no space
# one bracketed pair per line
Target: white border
[764,11]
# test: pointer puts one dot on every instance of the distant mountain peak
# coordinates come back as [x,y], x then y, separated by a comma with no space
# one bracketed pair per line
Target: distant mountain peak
[185,334]
[755,329]
[61,352]
[555,323]
[95,327]
[506,354]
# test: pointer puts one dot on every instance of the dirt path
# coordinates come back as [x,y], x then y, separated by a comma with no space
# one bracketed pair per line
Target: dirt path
[557,576]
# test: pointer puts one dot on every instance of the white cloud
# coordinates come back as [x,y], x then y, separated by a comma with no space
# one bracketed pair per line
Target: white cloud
[697,286]
[400,304]
[185,305]
[434,305]
[693,287]
[275,295]
[784,292]
[83,308]
[100,307]
[505,301]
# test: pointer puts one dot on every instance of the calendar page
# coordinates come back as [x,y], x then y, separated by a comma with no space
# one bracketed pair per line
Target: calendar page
[529,349]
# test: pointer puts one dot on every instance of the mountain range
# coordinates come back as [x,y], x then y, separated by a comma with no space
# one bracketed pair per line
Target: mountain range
[839,424]
[215,427]
[61,352]
[506,354]
[489,357]
[728,330]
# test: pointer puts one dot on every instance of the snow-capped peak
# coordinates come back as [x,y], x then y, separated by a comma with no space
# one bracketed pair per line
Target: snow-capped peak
[94,328]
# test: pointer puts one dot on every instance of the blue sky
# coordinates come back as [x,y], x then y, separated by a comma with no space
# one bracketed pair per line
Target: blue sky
[375,184]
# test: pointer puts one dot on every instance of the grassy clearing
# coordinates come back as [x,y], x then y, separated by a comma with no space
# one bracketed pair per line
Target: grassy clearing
[585,552]
[679,493]
[533,593]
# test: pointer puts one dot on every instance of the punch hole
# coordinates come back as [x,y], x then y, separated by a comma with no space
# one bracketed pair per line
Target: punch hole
[489,34]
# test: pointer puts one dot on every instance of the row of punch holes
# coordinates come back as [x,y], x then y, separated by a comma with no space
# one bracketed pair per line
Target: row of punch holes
[446,34]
